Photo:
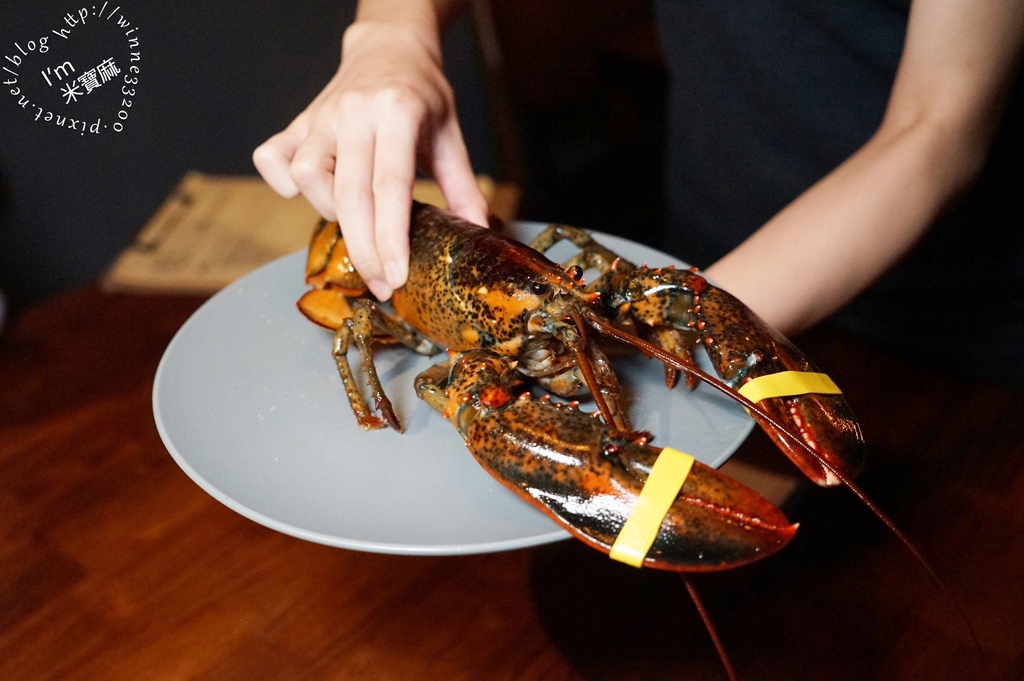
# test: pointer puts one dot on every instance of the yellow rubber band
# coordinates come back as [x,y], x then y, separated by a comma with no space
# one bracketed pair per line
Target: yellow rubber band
[641,527]
[787,383]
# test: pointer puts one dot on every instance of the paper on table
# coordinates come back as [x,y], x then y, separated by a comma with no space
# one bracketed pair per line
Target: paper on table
[213,229]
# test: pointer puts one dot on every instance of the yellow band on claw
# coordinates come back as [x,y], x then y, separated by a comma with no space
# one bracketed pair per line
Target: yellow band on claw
[787,383]
[641,527]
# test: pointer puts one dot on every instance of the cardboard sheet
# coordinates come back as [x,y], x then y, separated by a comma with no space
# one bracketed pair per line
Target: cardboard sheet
[213,229]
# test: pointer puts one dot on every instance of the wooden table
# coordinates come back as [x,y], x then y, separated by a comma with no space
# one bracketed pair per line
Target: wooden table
[113,564]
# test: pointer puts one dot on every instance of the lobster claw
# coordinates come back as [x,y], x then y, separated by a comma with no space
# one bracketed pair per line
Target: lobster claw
[743,348]
[572,467]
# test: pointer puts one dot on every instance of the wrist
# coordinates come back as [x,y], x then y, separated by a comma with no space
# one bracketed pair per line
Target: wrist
[366,32]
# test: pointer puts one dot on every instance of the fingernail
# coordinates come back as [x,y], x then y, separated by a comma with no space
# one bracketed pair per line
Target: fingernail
[394,273]
[379,289]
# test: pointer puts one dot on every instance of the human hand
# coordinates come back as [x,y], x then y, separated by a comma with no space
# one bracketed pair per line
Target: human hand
[354,151]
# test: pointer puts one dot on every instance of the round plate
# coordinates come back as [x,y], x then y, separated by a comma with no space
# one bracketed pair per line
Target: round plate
[249,404]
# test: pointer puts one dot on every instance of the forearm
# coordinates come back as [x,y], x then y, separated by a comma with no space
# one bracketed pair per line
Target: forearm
[843,233]
[848,229]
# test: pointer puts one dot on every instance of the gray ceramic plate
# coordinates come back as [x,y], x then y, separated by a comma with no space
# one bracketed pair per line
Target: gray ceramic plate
[249,404]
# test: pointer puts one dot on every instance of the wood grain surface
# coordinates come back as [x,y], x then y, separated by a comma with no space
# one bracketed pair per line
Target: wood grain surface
[114,565]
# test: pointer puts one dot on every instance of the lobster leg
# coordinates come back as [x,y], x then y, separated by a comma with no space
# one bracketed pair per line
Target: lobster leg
[429,385]
[592,255]
[368,324]
[576,470]
[359,329]
[611,269]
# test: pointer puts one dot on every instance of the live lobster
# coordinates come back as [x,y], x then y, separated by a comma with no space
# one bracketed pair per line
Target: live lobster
[504,312]
[472,290]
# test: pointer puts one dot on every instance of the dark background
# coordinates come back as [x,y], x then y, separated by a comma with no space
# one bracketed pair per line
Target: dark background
[577,106]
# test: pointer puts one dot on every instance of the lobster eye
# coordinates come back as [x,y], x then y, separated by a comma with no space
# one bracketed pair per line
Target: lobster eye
[539,288]
[576,272]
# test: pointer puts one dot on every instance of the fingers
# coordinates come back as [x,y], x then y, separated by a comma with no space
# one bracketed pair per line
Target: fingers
[273,160]
[300,159]
[372,191]
[394,172]
[353,154]
[455,177]
[374,210]
[313,171]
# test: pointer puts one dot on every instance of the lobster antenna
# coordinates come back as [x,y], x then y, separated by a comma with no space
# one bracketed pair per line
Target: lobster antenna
[914,551]
[706,618]
[668,358]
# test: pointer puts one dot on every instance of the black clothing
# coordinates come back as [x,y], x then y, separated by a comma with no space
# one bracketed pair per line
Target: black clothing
[766,98]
